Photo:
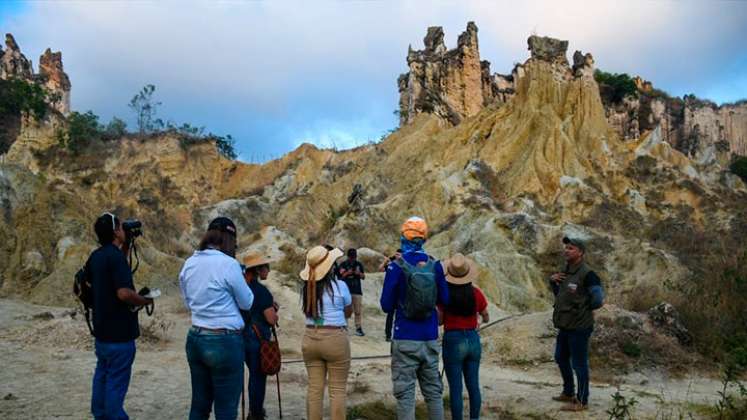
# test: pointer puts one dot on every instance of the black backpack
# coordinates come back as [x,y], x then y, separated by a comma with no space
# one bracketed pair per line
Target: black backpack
[421,291]
[83,290]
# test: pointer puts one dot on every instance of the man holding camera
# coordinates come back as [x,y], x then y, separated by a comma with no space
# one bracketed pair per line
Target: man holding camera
[115,323]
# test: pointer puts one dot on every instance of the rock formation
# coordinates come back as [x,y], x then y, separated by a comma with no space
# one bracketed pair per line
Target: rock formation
[453,84]
[502,186]
[55,79]
[14,65]
[698,128]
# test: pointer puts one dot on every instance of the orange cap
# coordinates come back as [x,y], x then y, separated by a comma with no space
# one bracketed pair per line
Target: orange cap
[414,227]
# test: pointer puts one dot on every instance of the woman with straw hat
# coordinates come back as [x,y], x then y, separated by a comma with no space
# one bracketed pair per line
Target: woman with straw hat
[259,322]
[327,304]
[461,341]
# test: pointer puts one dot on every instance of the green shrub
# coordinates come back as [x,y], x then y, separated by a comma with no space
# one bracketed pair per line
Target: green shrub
[632,349]
[739,167]
[615,86]
[18,96]
[80,131]
[116,129]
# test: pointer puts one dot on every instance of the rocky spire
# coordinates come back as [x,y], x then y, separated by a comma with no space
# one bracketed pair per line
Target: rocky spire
[14,64]
[448,83]
[55,79]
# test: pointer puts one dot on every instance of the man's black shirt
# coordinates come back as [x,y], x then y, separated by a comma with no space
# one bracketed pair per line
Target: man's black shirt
[353,281]
[113,321]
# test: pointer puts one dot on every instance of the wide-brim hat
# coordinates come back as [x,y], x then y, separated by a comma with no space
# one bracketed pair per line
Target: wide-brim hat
[320,260]
[255,260]
[460,269]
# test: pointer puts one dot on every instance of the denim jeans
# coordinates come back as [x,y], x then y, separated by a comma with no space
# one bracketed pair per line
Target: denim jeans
[572,355]
[462,351]
[257,379]
[416,360]
[216,364]
[111,379]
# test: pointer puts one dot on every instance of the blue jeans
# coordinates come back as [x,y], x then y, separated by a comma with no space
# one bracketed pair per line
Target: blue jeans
[572,355]
[217,370]
[257,379]
[462,351]
[111,379]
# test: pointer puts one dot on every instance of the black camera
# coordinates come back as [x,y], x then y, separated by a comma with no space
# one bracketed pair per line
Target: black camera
[132,228]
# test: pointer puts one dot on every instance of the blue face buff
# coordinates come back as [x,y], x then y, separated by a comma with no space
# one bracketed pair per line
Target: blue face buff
[414,245]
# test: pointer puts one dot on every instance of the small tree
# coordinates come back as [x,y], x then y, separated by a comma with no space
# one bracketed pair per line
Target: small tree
[116,129]
[81,130]
[144,107]
[225,146]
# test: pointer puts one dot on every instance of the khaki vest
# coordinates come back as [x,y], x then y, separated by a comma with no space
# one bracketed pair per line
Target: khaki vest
[572,310]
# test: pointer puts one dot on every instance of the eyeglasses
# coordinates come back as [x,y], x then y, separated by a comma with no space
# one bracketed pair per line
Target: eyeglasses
[114,225]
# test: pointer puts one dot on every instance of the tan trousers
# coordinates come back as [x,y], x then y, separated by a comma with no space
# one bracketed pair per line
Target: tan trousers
[358,310]
[326,353]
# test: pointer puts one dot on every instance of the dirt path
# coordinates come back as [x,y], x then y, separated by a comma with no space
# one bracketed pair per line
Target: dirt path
[47,366]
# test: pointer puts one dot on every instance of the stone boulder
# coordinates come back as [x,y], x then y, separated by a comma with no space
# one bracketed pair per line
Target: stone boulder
[548,49]
[666,317]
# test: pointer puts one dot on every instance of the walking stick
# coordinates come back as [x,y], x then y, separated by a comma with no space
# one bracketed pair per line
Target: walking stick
[280,405]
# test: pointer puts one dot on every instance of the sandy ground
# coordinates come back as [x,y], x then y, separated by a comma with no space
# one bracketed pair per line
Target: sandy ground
[47,367]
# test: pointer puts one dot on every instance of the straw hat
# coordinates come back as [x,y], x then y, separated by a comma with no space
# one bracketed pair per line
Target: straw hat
[320,260]
[255,260]
[460,269]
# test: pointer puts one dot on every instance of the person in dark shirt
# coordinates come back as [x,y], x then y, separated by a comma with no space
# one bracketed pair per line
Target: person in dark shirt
[259,321]
[115,324]
[578,292]
[352,272]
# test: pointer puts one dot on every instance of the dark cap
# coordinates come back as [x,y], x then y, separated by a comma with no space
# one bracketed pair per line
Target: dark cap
[223,224]
[578,243]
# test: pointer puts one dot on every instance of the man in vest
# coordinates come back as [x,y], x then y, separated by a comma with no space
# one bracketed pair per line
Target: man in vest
[413,285]
[578,292]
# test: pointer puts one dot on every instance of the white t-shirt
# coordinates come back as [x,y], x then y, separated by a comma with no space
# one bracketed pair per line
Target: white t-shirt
[333,312]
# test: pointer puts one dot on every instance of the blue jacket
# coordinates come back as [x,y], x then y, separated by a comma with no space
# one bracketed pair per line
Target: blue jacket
[393,295]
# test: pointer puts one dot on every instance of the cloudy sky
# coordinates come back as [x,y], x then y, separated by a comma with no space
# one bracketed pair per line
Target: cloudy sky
[277,74]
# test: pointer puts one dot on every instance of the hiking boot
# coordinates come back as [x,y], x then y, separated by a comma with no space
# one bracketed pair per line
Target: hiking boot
[359,332]
[574,405]
[564,398]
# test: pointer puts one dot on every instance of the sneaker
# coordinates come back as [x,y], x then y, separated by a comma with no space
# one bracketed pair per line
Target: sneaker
[574,405]
[564,398]
[359,332]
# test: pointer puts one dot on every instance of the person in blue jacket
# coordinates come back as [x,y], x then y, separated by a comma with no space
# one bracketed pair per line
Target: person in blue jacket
[415,349]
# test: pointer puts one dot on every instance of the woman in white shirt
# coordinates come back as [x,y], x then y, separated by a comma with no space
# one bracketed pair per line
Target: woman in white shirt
[326,348]
[214,290]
